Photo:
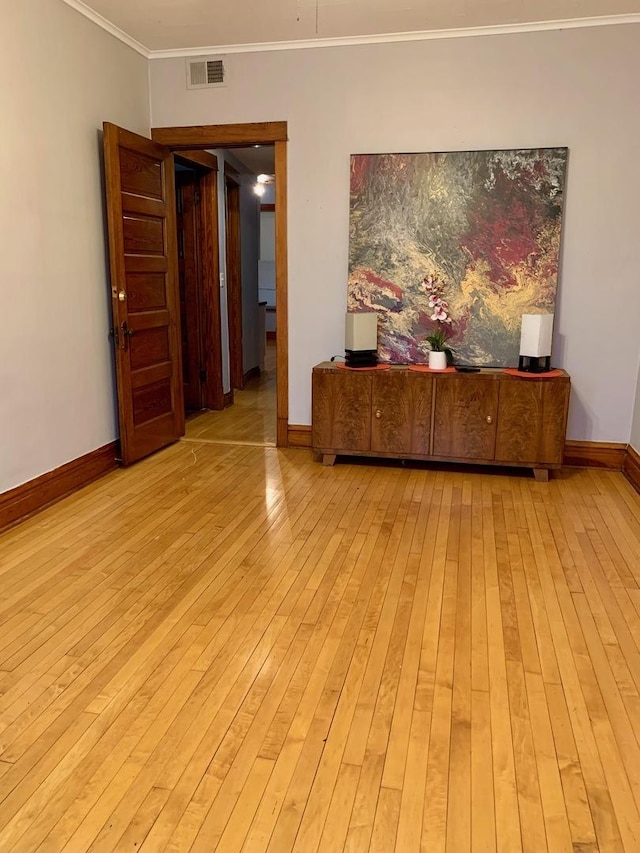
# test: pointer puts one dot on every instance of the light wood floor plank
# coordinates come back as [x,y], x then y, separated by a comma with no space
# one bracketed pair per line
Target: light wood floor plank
[459,795]
[231,647]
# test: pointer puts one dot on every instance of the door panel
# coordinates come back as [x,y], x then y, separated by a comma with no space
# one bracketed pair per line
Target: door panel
[151,401]
[465,415]
[532,419]
[341,403]
[213,396]
[141,175]
[144,236]
[149,347]
[190,272]
[401,408]
[144,291]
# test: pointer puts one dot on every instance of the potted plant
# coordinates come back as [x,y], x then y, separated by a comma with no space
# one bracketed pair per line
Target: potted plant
[441,354]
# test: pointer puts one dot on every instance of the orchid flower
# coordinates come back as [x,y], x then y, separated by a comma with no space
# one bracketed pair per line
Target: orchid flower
[440,313]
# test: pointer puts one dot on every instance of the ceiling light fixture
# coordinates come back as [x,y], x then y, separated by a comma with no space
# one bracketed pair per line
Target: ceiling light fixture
[260,187]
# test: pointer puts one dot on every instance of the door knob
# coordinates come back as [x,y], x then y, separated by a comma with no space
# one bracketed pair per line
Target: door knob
[126,334]
[122,296]
[489,419]
[378,414]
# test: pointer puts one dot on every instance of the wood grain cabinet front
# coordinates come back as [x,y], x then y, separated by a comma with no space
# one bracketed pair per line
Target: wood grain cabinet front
[488,417]
[465,416]
[532,420]
[401,407]
[341,411]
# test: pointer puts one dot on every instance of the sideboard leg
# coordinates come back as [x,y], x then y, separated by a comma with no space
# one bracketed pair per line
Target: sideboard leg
[541,475]
[328,458]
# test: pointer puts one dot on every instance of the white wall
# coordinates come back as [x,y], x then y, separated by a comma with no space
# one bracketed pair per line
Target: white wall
[267,235]
[267,263]
[249,253]
[577,88]
[61,76]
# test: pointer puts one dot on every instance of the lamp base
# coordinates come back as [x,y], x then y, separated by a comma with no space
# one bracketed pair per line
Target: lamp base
[534,364]
[361,357]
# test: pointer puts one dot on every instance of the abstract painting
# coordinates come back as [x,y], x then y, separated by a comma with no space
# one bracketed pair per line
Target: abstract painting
[486,224]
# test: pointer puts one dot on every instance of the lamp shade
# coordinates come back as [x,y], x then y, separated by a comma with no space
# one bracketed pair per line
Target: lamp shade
[361,331]
[536,335]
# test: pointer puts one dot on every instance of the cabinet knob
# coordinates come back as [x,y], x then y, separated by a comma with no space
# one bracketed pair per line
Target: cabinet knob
[489,419]
[378,414]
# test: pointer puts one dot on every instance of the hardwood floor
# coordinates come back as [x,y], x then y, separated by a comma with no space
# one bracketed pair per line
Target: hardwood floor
[251,419]
[230,647]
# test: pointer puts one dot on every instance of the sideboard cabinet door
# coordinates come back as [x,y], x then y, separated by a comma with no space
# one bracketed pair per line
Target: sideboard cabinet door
[401,408]
[466,410]
[341,413]
[532,419]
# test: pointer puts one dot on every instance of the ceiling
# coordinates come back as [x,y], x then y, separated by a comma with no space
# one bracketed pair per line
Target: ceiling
[162,25]
[258,159]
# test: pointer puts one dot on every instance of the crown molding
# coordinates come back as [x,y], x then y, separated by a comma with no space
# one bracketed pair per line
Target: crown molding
[386,38]
[106,25]
[348,41]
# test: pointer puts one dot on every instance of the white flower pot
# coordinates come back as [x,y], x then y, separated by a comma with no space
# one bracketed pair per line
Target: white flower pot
[438,360]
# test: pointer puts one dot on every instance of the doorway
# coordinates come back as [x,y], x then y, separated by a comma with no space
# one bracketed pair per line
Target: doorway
[196,201]
[247,288]
[144,281]
[249,380]
[251,420]
[203,138]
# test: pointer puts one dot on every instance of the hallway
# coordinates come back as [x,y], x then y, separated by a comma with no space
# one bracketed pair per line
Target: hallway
[252,418]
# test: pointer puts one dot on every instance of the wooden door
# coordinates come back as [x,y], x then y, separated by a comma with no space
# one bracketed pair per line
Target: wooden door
[341,403]
[189,272]
[144,291]
[466,409]
[210,293]
[401,406]
[234,282]
[532,420]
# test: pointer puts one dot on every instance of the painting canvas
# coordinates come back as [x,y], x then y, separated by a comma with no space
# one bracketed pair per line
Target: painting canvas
[485,224]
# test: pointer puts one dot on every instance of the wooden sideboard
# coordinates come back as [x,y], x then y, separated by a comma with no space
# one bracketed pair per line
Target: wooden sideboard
[489,417]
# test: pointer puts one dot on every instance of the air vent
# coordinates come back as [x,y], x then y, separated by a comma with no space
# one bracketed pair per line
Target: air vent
[206,73]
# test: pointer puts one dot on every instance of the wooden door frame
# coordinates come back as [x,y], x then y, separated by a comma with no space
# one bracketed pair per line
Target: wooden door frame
[206,167]
[234,277]
[191,280]
[200,137]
